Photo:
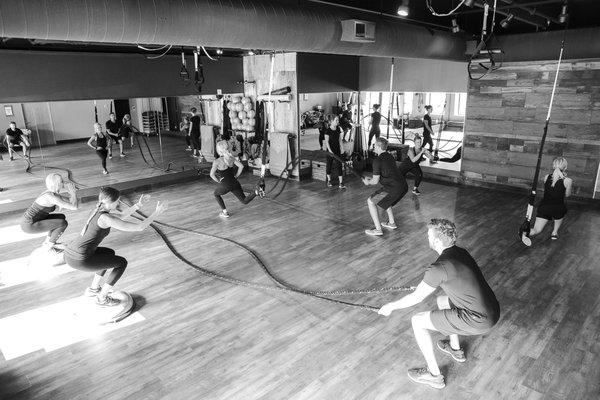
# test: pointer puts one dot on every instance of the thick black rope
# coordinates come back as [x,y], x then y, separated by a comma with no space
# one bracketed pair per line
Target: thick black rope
[282,286]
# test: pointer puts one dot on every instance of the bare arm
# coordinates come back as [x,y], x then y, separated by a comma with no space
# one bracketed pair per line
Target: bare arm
[68,204]
[568,187]
[421,292]
[327,144]
[89,142]
[213,171]
[240,167]
[413,155]
[113,221]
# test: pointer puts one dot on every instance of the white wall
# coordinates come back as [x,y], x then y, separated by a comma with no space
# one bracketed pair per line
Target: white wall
[309,100]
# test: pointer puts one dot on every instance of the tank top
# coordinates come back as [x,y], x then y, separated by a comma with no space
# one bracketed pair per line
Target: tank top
[37,212]
[101,141]
[86,244]
[227,175]
[554,194]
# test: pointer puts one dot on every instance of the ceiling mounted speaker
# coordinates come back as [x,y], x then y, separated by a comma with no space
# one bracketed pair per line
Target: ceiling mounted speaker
[354,30]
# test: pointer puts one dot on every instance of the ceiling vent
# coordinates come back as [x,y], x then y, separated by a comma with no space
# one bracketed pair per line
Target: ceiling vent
[354,30]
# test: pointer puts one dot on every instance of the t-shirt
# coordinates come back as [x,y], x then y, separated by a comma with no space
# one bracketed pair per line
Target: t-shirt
[112,127]
[334,140]
[345,119]
[16,134]
[385,166]
[195,121]
[427,118]
[125,130]
[457,273]
[375,119]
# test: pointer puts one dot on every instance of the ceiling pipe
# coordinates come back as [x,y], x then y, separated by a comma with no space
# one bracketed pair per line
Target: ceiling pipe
[521,5]
[531,11]
[540,25]
[282,25]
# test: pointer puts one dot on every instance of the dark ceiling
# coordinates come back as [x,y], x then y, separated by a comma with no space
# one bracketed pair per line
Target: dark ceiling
[582,13]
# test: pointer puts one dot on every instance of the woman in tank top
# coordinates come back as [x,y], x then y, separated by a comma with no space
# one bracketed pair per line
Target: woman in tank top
[552,206]
[99,142]
[38,217]
[225,167]
[411,162]
[85,253]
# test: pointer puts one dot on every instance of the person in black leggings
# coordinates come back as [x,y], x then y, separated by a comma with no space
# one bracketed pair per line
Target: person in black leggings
[225,165]
[99,142]
[38,218]
[85,254]
[427,128]
[333,143]
[375,121]
[454,158]
[411,162]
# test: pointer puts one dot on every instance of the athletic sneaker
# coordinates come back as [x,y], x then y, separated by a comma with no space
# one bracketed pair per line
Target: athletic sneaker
[458,355]
[526,240]
[107,301]
[188,149]
[11,159]
[374,232]
[89,292]
[122,155]
[105,172]
[329,184]
[416,191]
[423,376]
[388,225]
[342,186]
[110,156]
[554,236]
[224,214]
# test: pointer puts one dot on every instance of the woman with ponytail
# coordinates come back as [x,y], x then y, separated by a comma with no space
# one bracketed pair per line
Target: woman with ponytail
[38,217]
[225,166]
[99,142]
[552,207]
[85,254]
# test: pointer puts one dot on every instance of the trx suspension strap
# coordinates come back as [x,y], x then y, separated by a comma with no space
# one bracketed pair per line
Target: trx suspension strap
[95,112]
[525,227]
[440,129]
[269,118]
[387,133]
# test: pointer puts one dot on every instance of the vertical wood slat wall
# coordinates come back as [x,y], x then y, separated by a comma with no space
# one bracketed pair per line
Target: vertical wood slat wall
[505,117]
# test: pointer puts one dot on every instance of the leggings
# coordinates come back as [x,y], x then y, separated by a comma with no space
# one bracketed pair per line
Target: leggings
[416,170]
[195,139]
[427,140]
[54,224]
[188,140]
[237,191]
[102,154]
[374,132]
[102,259]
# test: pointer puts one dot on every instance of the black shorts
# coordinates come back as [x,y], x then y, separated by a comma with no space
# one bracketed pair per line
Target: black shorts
[333,166]
[392,197]
[551,212]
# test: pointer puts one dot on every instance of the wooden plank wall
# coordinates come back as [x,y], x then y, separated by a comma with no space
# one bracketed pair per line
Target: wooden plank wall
[506,112]
[285,114]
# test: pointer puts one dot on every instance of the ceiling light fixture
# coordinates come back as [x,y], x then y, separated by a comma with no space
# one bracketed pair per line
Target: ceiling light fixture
[564,14]
[251,52]
[219,51]
[403,9]
[506,21]
[455,27]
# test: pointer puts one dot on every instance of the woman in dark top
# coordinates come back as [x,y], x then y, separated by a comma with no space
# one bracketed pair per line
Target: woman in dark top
[333,143]
[411,162]
[375,121]
[184,127]
[126,131]
[552,207]
[112,129]
[427,128]
[38,217]
[85,254]
[346,121]
[99,142]
[393,184]
[225,165]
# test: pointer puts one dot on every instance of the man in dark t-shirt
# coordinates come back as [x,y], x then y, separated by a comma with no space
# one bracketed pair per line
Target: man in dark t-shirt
[195,132]
[393,185]
[333,143]
[16,137]
[469,306]
[346,121]
[112,128]
[427,129]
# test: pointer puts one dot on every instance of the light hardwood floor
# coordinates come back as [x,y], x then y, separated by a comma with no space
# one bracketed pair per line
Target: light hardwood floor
[205,339]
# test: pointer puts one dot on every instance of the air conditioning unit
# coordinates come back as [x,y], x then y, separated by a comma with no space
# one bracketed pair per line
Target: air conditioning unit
[354,30]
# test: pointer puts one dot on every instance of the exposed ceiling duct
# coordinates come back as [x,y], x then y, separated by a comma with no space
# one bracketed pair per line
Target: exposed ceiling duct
[249,24]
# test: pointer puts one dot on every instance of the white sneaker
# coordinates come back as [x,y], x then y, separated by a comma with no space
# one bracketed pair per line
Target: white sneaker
[387,225]
[374,232]
[224,214]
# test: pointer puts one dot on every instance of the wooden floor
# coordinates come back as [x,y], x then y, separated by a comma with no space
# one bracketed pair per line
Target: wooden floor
[86,168]
[205,339]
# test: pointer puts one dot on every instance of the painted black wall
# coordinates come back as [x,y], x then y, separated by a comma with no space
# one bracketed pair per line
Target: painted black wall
[27,76]
[324,73]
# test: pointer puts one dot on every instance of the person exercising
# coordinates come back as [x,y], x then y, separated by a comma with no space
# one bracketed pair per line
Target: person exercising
[16,137]
[85,254]
[112,129]
[375,121]
[552,206]
[194,131]
[411,163]
[346,121]
[333,144]
[393,184]
[469,306]
[39,218]
[427,128]
[99,142]
[225,166]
